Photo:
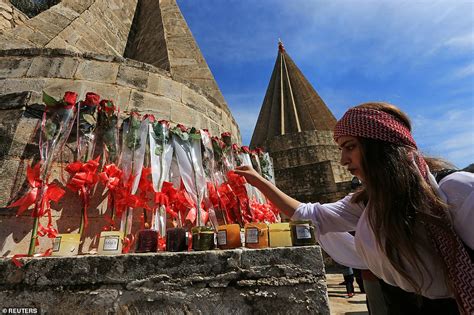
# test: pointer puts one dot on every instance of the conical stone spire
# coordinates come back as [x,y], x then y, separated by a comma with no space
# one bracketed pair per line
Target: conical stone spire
[291,104]
[295,127]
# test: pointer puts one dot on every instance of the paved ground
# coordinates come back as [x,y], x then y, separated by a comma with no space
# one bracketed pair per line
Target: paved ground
[339,303]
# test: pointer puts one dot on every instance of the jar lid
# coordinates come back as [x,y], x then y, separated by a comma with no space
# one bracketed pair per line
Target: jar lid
[301,222]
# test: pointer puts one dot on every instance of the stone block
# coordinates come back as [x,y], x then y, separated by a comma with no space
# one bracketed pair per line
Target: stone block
[20,85]
[53,67]
[182,114]
[104,72]
[14,100]
[14,67]
[60,43]
[172,282]
[148,103]
[65,11]
[44,23]
[78,6]
[158,84]
[132,77]
[194,100]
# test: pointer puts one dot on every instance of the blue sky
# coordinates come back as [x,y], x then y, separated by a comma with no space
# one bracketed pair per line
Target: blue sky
[418,55]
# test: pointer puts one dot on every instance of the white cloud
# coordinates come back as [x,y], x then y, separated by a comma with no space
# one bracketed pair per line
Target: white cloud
[448,134]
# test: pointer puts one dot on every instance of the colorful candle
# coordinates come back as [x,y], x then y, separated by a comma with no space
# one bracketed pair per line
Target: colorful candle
[110,243]
[279,234]
[66,244]
[302,233]
[176,240]
[256,235]
[203,238]
[228,236]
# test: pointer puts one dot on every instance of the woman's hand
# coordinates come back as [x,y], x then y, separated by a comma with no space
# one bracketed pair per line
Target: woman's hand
[284,202]
[251,175]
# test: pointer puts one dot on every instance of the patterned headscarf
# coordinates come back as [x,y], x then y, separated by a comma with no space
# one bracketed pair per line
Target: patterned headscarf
[379,125]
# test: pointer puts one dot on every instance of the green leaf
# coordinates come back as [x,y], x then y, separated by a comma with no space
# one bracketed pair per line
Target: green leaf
[195,136]
[50,130]
[89,118]
[49,100]
[158,150]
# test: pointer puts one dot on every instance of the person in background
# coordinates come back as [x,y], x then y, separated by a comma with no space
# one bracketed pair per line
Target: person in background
[409,230]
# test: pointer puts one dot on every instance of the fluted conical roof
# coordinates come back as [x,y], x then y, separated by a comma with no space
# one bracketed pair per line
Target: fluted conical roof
[291,104]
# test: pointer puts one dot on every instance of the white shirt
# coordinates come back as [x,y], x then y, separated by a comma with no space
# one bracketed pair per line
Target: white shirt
[334,220]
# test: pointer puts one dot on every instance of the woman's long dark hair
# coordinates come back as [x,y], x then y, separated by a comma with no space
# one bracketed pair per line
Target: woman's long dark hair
[395,194]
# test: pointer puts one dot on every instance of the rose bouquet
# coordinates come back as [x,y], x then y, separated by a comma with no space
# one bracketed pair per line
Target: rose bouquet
[56,124]
[187,146]
[135,132]
[161,154]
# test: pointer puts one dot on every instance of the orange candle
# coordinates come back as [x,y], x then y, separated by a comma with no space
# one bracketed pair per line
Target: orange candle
[228,236]
[256,235]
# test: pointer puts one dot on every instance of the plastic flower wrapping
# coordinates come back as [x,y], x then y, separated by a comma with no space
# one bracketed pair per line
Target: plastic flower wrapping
[180,176]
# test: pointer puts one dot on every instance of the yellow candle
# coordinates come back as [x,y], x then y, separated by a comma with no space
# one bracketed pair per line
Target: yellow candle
[110,243]
[66,244]
[280,235]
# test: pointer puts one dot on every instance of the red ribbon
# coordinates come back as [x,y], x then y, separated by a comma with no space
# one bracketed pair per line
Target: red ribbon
[83,178]
[19,264]
[237,183]
[51,192]
[34,181]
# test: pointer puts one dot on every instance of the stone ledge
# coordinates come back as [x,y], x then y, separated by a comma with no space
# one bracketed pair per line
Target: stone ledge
[242,281]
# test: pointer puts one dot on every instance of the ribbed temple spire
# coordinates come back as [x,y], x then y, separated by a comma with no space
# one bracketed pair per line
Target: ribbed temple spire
[291,104]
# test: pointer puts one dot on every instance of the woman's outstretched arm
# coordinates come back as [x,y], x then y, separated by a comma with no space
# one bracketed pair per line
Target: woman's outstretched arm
[284,202]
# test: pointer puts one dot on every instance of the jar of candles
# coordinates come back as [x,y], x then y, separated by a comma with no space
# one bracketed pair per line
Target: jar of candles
[228,236]
[256,235]
[176,240]
[279,234]
[147,240]
[203,238]
[110,243]
[302,233]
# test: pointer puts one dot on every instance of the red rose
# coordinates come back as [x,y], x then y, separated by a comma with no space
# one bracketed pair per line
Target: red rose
[258,151]
[225,134]
[246,149]
[69,99]
[183,128]
[150,117]
[164,122]
[107,106]
[92,99]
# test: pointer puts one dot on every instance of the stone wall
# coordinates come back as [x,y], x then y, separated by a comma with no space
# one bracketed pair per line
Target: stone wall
[241,281]
[10,17]
[78,25]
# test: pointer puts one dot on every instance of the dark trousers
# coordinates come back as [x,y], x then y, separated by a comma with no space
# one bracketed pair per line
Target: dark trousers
[400,302]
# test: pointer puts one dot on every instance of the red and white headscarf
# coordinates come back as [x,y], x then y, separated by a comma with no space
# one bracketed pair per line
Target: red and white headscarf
[379,125]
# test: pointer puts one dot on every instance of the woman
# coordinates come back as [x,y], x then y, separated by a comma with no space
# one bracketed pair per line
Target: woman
[400,215]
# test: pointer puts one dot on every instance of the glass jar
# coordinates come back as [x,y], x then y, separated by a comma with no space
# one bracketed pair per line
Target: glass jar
[302,233]
[176,240]
[203,238]
[256,235]
[228,236]
[147,241]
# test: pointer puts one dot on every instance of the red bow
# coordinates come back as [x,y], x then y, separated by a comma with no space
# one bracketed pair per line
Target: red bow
[50,192]
[83,178]
[33,177]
